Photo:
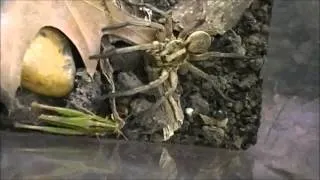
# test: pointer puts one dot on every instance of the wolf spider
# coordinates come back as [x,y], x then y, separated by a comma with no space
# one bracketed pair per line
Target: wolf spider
[170,54]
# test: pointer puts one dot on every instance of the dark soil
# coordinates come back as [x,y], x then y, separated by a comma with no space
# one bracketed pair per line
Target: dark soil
[239,79]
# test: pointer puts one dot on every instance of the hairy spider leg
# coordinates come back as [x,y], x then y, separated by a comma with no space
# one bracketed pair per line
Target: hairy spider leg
[173,78]
[140,47]
[206,56]
[110,50]
[153,84]
[107,71]
[174,84]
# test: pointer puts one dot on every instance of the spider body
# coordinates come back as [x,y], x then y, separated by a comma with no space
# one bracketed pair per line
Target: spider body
[176,51]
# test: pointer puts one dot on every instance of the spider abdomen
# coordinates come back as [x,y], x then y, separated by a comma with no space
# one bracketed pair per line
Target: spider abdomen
[198,42]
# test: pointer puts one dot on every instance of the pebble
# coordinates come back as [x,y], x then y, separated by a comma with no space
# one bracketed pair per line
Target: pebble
[238,107]
[240,64]
[129,80]
[256,64]
[254,39]
[265,8]
[240,50]
[229,104]
[265,29]
[139,105]
[248,81]
[207,85]
[189,111]
[255,28]
[199,104]
[219,115]
[249,16]
[156,137]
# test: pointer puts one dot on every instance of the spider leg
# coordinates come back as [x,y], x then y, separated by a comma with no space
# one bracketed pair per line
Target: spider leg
[111,50]
[107,71]
[153,84]
[174,84]
[207,55]
[196,71]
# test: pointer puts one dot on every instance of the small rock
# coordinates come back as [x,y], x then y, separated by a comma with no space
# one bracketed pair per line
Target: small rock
[238,142]
[240,64]
[139,105]
[129,80]
[213,134]
[265,29]
[255,39]
[253,103]
[256,64]
[189,111]
[248,81]
[265,8]
[229,104]
[220,115]
[207,86]
[156,137]
[240,50]
[238,107]
[255,28]
[199,104]
[249,16]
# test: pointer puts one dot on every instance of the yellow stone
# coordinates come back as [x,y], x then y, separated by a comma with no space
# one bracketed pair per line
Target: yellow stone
[48,66]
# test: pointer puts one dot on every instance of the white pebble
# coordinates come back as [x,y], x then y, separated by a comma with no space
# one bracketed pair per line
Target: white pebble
[189,111]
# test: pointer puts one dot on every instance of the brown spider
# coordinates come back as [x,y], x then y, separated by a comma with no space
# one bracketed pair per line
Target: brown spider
[170,54]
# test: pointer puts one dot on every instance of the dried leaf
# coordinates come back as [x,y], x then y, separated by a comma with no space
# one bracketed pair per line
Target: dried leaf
[134,34]
[80,20]
[221,15]
[21,21]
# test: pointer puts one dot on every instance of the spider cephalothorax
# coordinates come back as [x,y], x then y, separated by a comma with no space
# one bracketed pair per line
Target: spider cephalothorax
[176,51]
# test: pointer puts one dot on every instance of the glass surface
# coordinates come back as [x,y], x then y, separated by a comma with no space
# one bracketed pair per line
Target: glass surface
[288,143]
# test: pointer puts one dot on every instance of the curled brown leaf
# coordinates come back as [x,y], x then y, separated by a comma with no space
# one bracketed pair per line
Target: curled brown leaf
[80,20]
